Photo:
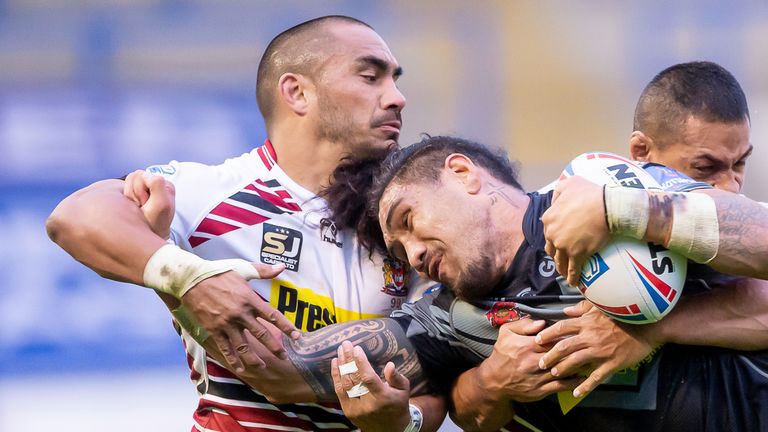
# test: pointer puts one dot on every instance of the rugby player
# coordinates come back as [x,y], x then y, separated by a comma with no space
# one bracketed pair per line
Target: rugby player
[692,117]
[419,211]
[425,191]
[326,89]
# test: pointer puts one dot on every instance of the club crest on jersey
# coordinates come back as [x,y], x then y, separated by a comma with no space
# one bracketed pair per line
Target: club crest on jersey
[597,267]
[395,277]
[329,232]
[281,245]
[504,312]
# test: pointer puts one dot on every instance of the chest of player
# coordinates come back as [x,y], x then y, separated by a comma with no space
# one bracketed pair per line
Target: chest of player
[328,278]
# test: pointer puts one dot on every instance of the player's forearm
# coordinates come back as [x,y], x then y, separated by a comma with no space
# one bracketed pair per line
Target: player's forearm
[743,227]
[733,316]
[725,230]
[104,230]
[382,339]
[474,407]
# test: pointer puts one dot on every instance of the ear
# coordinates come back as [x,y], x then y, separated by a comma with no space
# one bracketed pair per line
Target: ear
[465,170]
[295,91]
[640,146]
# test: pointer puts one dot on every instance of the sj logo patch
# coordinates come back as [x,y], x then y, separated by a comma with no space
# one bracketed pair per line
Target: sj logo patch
[281,245]
[395,277]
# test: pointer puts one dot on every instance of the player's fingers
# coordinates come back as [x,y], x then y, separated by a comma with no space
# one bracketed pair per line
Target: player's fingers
[558,190]
[578,309]
[525,326]
[140,187]
[348,371]
[266,312]
[367,376]
[161,192]
[135,188]
[336,376]
[559,385]
[597,377]
[574,270]
[228,351]
[571,363]
[128,188]
[549,248]
[266,271]
[561,262]
[262,335]
[245,349]
[395,379]
[556,331]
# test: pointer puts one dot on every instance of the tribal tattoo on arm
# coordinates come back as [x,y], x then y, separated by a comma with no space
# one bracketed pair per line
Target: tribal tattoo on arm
[383,340]
[743,227]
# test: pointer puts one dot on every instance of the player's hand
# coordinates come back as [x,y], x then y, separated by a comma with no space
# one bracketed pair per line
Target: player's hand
[592,341]
[227,307]
[385,406]
[155,196]
[512,370]
[575,226]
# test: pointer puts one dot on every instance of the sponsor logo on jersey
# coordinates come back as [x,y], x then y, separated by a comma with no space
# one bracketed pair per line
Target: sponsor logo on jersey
[281,245]
[329,231]
[164,170]
[597,267]
[395,277]
[547,267]
[308,310]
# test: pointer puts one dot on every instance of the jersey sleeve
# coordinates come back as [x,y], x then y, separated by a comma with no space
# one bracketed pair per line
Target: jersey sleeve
[672,180]
[196,186]
[427,325]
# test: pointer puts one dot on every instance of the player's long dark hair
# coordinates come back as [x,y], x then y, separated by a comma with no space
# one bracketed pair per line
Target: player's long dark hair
[348,198]
[358,184]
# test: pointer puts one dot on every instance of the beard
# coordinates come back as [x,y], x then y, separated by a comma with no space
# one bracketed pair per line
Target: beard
[337,125]
[476,281]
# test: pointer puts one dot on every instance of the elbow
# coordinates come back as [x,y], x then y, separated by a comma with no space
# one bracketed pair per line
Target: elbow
[59,224]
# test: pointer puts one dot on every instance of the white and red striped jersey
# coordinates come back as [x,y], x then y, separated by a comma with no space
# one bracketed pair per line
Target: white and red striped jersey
[249,208]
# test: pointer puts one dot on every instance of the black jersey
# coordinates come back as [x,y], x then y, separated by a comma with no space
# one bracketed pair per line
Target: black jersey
[683,388]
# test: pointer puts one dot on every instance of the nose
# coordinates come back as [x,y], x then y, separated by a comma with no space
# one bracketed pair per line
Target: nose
[393,98]
[415,251]
[730,181]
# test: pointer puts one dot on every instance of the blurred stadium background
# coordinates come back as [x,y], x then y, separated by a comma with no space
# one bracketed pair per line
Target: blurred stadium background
[93,89]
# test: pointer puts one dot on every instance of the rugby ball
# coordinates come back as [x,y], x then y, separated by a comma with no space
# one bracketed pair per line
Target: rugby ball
[634,281]
[630,280]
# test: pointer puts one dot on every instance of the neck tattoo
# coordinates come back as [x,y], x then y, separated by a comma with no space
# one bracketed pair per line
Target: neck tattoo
[497,191]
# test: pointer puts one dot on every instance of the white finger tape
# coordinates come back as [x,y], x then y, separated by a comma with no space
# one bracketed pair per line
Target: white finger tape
[347,368]
[357,390]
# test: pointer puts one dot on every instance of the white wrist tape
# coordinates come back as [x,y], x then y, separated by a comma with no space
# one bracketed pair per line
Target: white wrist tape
[626,210]
[695,230]
[174,271]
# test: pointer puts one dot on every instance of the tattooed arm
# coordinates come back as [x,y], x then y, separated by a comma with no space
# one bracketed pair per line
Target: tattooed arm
[382,340]
[575,227]
[306,375]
